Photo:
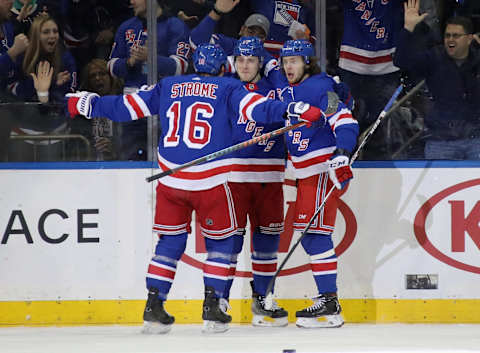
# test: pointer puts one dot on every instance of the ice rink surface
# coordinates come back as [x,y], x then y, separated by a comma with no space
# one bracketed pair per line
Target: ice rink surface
[389,338]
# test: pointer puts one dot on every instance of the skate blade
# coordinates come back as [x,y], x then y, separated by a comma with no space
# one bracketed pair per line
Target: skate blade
[155,328]
[267,321]
[320,322]
[214,327]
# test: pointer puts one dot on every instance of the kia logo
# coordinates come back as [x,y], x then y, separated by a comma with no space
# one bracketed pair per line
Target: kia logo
[461,225]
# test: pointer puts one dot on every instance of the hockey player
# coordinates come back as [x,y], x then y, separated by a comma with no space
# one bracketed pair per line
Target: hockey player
[257,186]
[320,159]
[197,113]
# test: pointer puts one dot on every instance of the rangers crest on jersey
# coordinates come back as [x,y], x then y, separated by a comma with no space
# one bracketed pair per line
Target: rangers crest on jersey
[286,13]
[130,36]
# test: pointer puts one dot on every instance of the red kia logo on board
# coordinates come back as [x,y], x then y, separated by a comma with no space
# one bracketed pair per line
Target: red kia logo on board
[461,225]
[286,240]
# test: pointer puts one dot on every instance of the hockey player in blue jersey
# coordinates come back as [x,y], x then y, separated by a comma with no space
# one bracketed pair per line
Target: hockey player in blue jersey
[198,114]
[256,182]
[320,159]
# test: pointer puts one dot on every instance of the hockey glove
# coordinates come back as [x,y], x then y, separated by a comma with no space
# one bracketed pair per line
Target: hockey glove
[304,112]
[80,103]
[339,168]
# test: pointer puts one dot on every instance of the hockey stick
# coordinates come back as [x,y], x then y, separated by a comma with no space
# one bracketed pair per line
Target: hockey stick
[385,112]
[225,151]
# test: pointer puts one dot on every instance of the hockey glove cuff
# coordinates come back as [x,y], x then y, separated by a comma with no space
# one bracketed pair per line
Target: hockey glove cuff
[339,168]
[304,112]
[80,103]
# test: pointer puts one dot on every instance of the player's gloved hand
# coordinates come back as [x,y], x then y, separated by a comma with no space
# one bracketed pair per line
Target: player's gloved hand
[339,168]
[80,103]
[304,112]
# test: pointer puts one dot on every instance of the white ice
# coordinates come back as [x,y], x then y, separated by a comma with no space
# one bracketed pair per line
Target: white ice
[391,338]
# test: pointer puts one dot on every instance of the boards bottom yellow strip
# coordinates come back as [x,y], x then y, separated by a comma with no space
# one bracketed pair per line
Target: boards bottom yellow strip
[106,312]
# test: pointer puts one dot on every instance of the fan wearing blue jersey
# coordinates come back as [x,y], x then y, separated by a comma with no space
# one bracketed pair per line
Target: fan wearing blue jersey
[11,47]
[198,114]
[255,25]
[128,61]
[320,159]
[370,34]
[129,52]
[256,182]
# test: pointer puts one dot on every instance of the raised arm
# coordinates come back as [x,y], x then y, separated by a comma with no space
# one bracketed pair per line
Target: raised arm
[412,15]
[405,56]
[203,32]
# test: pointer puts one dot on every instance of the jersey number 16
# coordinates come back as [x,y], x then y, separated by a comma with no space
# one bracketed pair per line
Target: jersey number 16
[196,132]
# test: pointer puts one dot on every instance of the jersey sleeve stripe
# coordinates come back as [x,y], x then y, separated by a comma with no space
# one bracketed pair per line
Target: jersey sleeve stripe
[342,117]
[181,64]
[136,106]
[248,103]
[346,120]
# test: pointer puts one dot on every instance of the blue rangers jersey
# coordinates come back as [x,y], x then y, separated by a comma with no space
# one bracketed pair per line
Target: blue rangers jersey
[370,33]
[281,14]
[265,161]
[197,115]
[310,148]
[204,32]
[172,49]
[7,66]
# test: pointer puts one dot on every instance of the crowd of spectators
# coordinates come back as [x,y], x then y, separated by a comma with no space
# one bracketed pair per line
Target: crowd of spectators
[52,47]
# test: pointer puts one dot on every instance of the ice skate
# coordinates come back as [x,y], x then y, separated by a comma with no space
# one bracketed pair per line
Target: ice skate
[325,312]
[156,320]
[276,317]
[215,317]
